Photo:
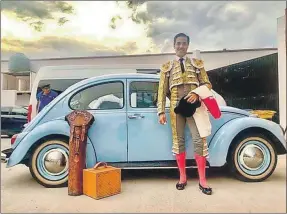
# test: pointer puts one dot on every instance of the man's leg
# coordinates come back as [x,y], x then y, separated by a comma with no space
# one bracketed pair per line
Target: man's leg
[178,147]
[201,165]
[200,154]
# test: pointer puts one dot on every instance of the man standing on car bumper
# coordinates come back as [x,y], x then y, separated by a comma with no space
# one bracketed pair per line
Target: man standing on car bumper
[178,78]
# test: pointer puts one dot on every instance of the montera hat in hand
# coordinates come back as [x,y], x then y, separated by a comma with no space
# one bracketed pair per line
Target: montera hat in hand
[185,108]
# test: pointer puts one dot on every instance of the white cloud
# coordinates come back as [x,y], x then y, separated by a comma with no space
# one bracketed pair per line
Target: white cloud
[213,25]
[210,25]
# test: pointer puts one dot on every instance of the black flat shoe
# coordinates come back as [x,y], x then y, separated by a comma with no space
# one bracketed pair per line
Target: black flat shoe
[180,186]
[207,191]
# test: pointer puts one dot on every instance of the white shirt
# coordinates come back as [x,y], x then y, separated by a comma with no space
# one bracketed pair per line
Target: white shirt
[183,61]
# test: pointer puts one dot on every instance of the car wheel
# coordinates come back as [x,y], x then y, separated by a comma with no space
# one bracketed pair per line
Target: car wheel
[252,158]
[49,164]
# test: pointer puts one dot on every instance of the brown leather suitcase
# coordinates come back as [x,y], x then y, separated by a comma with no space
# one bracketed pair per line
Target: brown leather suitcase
[101,181]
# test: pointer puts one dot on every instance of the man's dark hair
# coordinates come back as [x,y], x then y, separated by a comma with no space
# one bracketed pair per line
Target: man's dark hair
[180,35]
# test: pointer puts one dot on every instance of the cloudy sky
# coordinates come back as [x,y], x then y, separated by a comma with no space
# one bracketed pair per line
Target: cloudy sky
[66,29]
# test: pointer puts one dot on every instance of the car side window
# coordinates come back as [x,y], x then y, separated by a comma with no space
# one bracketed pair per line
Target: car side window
[143,94]
[99,97]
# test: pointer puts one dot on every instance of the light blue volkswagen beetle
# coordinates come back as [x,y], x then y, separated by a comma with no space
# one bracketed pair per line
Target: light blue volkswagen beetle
[126,133]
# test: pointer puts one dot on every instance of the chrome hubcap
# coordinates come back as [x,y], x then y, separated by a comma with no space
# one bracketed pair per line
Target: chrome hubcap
[251,157]
[55,161]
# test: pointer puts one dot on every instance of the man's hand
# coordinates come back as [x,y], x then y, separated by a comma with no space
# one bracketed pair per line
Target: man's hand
[191,98]
[162,119]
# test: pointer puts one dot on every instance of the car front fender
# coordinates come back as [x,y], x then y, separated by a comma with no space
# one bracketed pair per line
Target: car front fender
[221,141]
[55,127]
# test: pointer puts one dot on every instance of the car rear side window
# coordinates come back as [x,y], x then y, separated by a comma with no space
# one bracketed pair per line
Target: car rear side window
[143,94]
[99,97]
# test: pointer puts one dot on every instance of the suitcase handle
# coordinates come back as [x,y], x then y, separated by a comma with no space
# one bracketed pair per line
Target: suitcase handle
[100,163]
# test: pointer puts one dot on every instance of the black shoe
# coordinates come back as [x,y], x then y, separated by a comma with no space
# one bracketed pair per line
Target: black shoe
[181,186]
[207,191]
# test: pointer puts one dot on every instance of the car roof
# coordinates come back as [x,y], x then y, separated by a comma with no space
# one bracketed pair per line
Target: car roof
[107,77]
[114,76]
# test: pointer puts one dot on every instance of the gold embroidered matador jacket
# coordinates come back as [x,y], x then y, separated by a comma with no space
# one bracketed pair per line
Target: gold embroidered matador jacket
[175,84]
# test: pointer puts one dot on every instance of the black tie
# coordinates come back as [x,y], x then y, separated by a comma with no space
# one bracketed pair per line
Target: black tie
[181,65]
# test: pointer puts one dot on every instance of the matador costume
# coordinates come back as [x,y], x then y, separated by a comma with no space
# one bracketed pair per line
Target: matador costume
[178,78]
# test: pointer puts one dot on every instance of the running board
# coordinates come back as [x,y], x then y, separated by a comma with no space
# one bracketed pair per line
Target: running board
[161,167]
[171,164]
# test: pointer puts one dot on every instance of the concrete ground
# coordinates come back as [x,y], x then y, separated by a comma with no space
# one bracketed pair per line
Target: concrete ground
[147,191]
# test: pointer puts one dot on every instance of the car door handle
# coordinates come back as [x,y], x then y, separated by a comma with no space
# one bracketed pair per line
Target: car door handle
[136,116]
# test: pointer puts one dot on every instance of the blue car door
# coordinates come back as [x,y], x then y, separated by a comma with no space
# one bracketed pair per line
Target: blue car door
[147,139]
[108,133]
